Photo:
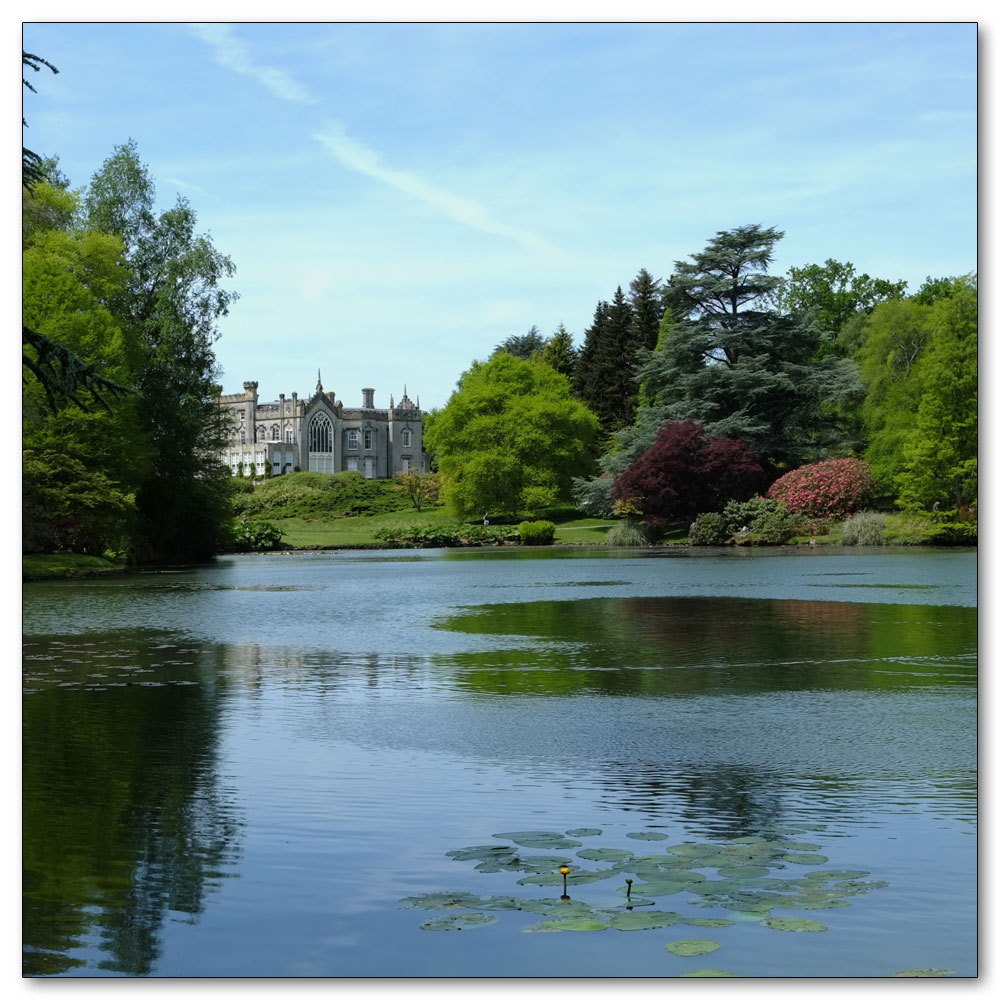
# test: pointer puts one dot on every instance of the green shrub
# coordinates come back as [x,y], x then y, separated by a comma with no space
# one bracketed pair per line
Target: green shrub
[761,521]
[865,528]
[320,496]
[627,534]
[445,536]
[709,529]
[536,532]
[255,536]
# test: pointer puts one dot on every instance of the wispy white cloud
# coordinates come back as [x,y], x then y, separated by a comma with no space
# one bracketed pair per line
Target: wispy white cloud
[232,53]
[357,156]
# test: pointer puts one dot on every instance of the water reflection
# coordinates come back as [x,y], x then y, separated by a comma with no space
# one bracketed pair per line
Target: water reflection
[125,818]
[698,645]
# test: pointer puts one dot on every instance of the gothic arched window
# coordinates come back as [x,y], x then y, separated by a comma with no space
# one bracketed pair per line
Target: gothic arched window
[321,433]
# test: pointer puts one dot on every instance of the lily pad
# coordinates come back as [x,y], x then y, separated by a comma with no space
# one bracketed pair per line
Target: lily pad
[458,922]
[690,947]
[708,922]
[793,924]
[708,974]
[923,973]
[481,852]
[442,901]
[574,878]
[693,850]
[805,859]
[819,902]
[578,924]
[604,854]
[647,835]
[626,920]
[797,845]
[584,831]
[557,907]
[744,871]
[654,888]
[542,839]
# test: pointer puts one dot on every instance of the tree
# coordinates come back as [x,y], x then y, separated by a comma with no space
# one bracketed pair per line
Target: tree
[940,463]
[510,438]
[527,346]
[32,164]
[834,292]
[732,362]
[687,472]
[646,300]
[559,352]
[82,465]
[172,306]
[419,487]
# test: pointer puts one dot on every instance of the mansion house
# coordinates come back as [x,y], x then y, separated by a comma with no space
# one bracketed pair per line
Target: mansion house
[320,434]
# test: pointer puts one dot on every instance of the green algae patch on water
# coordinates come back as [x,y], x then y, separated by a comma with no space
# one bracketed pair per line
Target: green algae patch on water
[690,946]
[708,974]
[708,922]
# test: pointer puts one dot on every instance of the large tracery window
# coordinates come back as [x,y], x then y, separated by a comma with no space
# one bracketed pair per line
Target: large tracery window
[321,433]
[321,444]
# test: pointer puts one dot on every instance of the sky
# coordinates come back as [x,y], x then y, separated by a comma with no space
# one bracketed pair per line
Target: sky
[399,198]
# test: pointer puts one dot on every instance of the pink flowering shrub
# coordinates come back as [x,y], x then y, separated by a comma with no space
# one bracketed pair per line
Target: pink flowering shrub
[831,489]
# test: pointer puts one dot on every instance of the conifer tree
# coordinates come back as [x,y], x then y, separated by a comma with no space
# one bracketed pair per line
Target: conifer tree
[559,352]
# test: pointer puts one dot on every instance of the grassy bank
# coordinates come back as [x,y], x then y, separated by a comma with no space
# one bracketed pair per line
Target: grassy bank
[65,564]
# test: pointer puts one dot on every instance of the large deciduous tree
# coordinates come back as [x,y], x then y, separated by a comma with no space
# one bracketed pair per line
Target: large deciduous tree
[172,306]
[510,438]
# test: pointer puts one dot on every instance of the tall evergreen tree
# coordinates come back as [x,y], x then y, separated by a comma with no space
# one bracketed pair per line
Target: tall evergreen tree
[559,352]
[733,363]
[586,378]
[646,299]
[525,346]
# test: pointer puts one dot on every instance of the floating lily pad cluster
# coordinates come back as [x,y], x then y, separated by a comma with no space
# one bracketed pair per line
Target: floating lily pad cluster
[749,876]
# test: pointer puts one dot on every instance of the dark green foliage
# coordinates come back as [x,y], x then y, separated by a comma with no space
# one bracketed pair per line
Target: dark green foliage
[758,521]
[709,529]
[318,496]
[646,300]
[32,164]
[732,362]
[526,346]
[559,352]
[537,532]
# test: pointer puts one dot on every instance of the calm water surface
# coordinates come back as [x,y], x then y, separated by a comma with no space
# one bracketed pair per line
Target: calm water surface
[244,769]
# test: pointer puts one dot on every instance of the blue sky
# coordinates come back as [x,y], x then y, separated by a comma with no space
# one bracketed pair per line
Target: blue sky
[399,198]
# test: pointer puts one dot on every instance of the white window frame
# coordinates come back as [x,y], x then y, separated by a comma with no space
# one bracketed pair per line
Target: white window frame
[352,440]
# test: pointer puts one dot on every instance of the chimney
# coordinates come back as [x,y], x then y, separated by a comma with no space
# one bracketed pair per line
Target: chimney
[368,399]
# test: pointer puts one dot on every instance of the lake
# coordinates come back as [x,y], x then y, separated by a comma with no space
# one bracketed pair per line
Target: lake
[373,764]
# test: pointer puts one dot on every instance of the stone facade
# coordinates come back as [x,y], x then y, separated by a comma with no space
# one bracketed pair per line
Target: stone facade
[320,434]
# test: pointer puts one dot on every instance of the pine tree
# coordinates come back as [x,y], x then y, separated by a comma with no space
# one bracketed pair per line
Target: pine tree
[646,299]
[559,352]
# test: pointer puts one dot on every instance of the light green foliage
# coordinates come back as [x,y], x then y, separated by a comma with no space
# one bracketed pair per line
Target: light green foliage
[318,495]
[940,463]
[510,438]
[864,528]
[536,532]
[920,367]
[627,533]
[835,292]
